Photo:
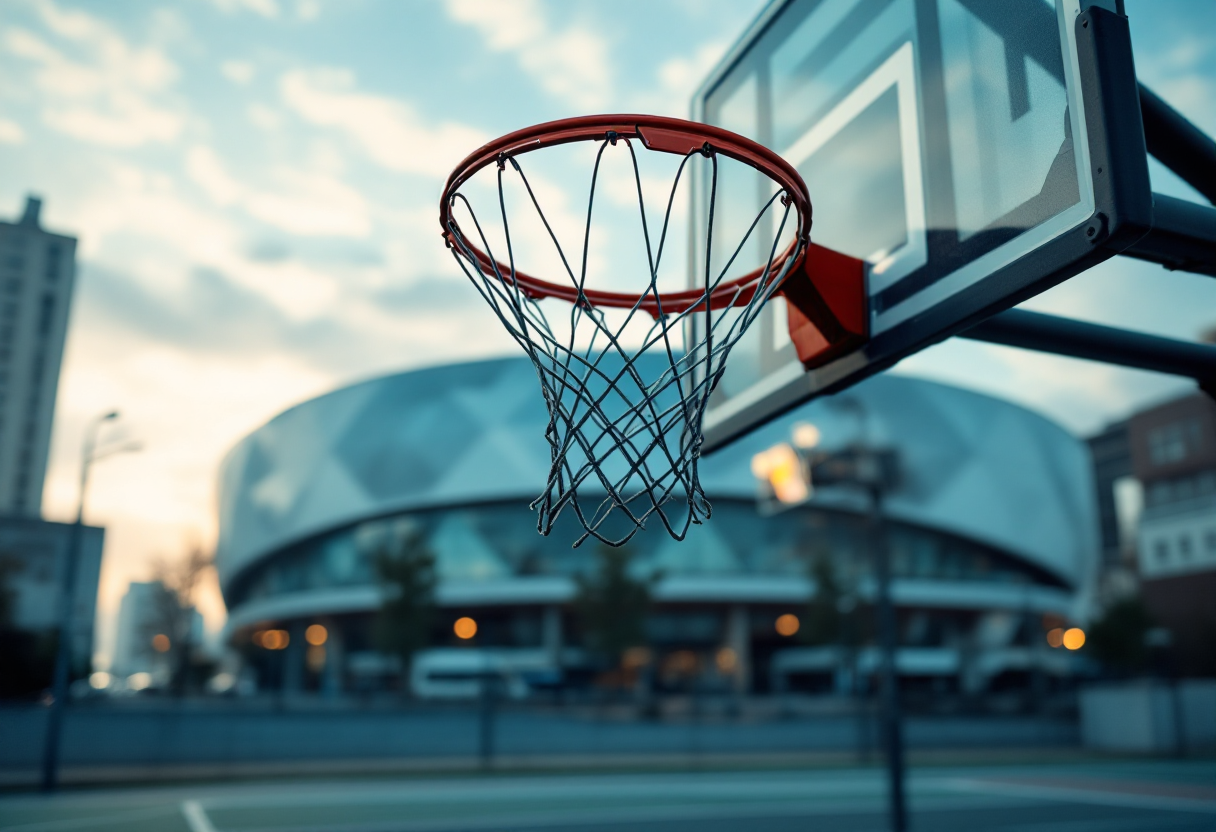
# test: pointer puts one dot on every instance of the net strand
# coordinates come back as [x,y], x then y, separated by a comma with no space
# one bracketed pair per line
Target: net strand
[638,440]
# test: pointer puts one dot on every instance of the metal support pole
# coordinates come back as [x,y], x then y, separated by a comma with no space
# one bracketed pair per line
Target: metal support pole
[1178,144]
[486,720]
[892,718]
[861,703]
[67,602]
[1079,339]
[1183,236]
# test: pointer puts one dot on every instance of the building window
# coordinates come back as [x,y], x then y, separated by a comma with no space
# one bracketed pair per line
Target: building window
[1184,489]
[1163,551]
[1173,442]
[52,262]
[1184,547]
[46,314]
[1211,541]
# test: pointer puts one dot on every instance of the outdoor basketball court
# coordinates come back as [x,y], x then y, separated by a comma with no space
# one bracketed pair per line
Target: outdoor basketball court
[1094,797]
[862,179]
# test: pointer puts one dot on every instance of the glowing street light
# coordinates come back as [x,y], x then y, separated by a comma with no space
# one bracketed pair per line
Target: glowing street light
[787,625]
[316,635]
[781,468]
[465,628]
[806,436]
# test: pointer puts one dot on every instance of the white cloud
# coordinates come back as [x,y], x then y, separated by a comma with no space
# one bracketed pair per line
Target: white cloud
[304,203]
[238,72]
[676,80]
[157,237]
[207,171]
[571,64]
[312,204]
[263,117]
[11,132]
[308,10]
[108,91]
[681,76]
[388,129]
[268,9]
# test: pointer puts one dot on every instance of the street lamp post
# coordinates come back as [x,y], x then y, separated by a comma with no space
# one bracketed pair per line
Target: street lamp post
[875,471]
[67,591]
[789,472]
[887,627]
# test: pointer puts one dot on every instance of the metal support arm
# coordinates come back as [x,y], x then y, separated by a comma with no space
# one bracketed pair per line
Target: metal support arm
[1178,144]
[1078,339]
[1183,236]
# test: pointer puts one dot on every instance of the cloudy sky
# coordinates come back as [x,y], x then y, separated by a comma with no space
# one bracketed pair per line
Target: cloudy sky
[254,187]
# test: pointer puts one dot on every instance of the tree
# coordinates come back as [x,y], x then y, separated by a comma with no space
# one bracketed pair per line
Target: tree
[173,612]
[1117,638]
[9,566]
[824,618]
[612,605]
[406,569]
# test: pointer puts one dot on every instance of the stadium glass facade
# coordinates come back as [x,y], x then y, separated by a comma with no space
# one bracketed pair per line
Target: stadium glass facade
[991,533]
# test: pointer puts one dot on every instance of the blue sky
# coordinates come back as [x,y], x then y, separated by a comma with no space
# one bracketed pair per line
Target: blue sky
[254,185]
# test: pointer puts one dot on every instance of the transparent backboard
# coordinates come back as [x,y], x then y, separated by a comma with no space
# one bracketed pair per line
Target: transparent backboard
[942,141]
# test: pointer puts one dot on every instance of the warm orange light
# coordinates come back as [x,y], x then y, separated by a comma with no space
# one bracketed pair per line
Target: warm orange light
[636,657]
[465,628]
[727,660]
[315,658]
[682,662]
[160,643]
[1055,637]
[316,635]
[272,639]
[781,468]
[1074,638]
[788,624]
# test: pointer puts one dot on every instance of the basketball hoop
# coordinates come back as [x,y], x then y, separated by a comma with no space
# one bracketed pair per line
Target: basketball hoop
[625,420]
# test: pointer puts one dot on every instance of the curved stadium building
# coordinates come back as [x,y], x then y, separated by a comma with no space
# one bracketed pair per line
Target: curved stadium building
[992,534]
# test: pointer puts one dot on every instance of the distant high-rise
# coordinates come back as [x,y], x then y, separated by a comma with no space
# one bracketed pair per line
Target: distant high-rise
[37,273]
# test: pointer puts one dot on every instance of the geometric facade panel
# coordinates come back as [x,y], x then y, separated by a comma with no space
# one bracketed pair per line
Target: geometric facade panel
[462,434]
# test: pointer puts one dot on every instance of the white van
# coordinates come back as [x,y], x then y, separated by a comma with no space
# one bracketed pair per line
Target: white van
[457,672]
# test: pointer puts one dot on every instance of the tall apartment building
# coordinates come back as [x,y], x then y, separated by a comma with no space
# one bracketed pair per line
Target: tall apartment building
[37,272]
[1119,498]
[1174,456]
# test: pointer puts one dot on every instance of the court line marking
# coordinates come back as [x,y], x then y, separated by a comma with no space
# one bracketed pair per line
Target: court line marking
[1076,795]
[196,818]
[601,815]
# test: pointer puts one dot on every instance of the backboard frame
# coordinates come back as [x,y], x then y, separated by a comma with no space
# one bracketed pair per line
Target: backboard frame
[1112,152]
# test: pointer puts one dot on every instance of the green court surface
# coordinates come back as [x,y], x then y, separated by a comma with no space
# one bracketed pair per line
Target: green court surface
[1089,797]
